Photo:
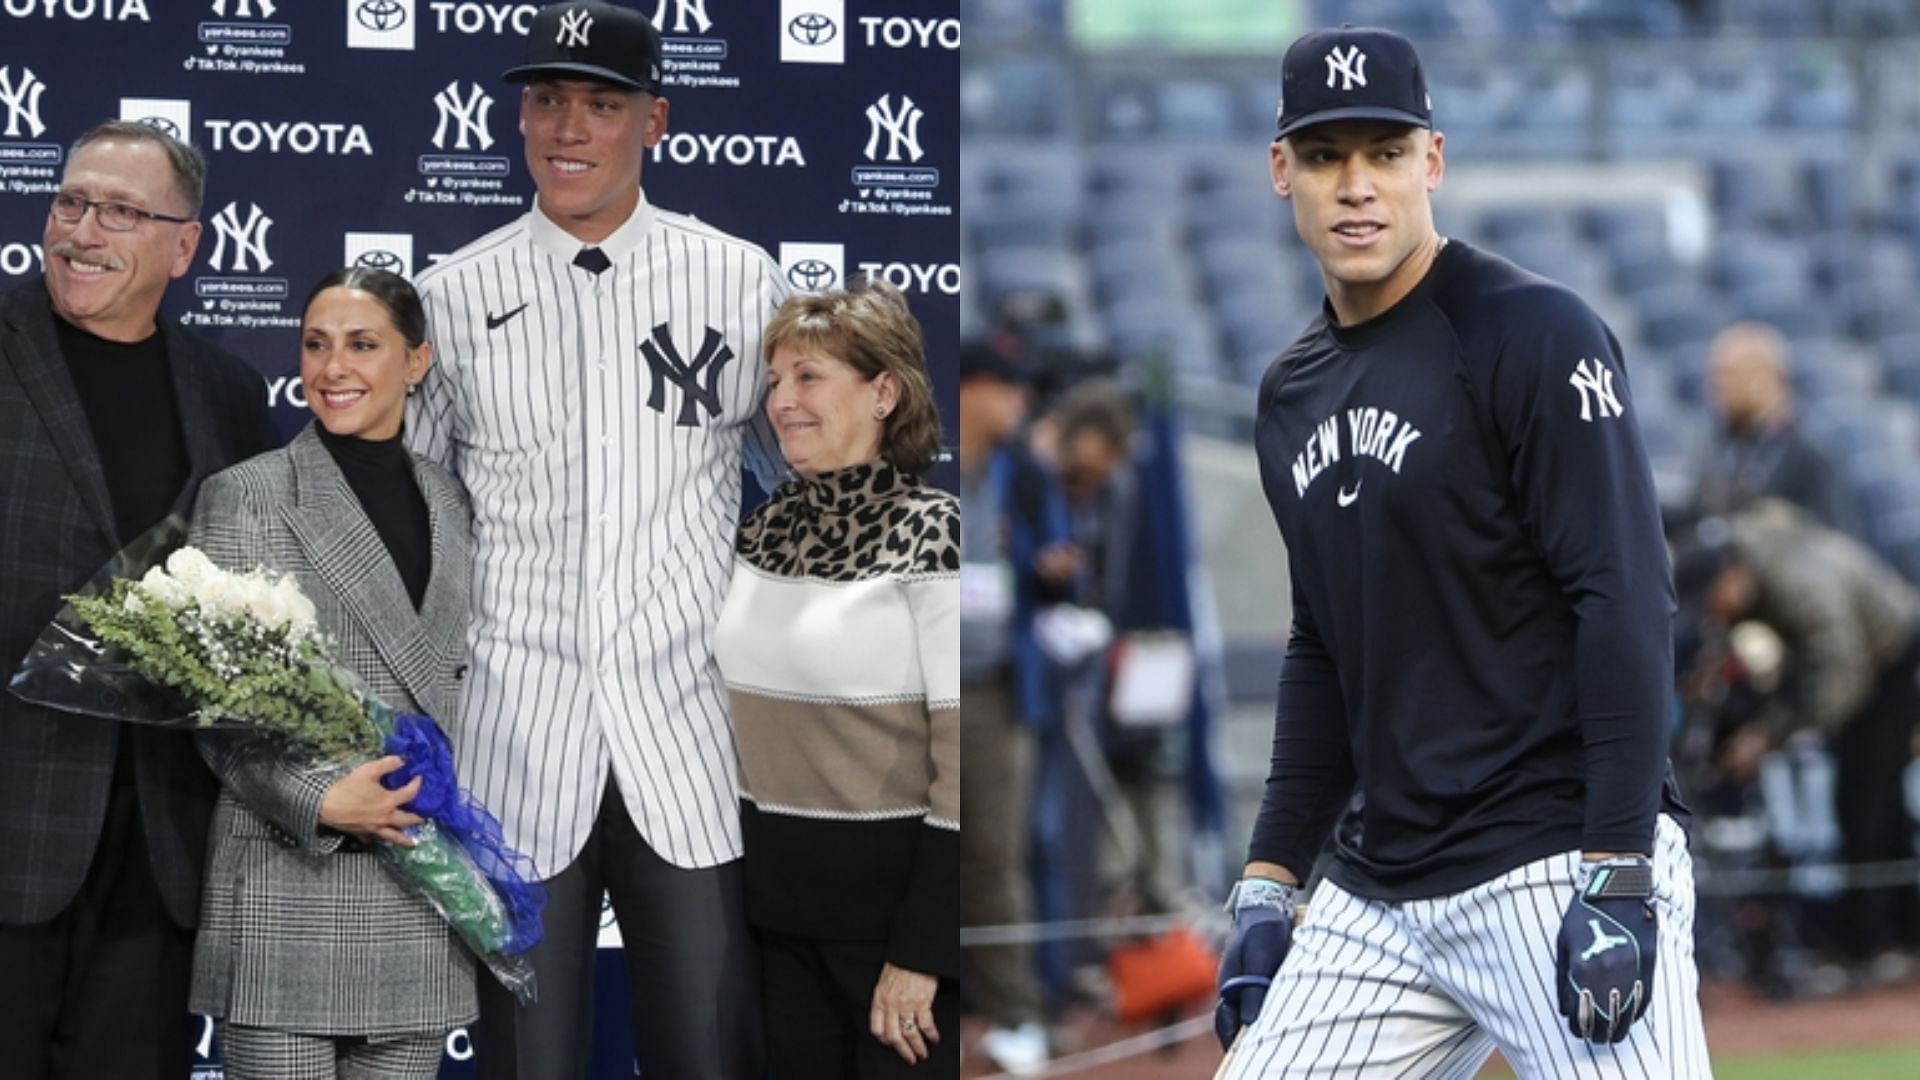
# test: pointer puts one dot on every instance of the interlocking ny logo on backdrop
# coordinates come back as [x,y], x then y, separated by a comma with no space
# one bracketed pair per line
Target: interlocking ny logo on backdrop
[574,26]
[1350,66]
[901,123]
[698,381]
[469,117]
[249,239]
[244,9]
[683,10]
[22,98]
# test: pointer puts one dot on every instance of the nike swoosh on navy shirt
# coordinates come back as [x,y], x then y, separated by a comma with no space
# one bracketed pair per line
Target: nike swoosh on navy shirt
[495,322]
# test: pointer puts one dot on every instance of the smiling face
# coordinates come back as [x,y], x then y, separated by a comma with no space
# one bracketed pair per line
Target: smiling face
[110,283]
[1361,200]
[356,365]
[827,414]
[585,142]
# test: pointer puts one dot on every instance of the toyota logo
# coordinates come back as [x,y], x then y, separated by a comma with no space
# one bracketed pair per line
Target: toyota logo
[811,28]
[380,260]
[381,14]
[162,124]
[810,275]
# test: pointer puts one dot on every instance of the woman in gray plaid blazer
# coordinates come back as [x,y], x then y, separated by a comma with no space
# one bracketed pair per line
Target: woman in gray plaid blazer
[314,959]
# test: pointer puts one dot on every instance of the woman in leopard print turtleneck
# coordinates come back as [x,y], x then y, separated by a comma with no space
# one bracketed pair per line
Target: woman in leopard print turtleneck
[839,642]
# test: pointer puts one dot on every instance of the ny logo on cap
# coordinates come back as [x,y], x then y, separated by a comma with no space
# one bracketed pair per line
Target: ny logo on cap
[1352,67]
[573,29]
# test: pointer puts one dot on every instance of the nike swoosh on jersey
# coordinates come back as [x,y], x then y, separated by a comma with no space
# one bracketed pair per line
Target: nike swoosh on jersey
[1345,497]
[495,322]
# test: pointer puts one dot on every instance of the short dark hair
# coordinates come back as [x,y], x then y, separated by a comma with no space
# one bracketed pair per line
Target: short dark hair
[1099,406]
[189,168]
[394,292]
[869,326]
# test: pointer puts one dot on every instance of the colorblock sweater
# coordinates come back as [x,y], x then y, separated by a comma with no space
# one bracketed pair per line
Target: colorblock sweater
[839,643]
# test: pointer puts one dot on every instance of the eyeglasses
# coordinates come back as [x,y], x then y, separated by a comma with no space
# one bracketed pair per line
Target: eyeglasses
[112,216]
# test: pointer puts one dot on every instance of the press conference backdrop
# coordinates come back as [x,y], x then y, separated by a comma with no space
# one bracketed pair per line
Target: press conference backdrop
[378,132]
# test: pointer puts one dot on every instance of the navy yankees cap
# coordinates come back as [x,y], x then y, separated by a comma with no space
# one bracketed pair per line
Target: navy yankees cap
[1353,73]
[594,40]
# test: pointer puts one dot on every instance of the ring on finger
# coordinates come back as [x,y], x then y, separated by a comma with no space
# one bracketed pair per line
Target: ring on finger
[907,1024]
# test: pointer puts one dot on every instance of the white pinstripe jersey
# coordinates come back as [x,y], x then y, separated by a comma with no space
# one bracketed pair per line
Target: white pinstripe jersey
[599,424]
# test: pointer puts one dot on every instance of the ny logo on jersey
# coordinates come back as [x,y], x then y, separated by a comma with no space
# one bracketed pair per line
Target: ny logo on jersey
[1603,942]
[1350,67]
[698,381]
[573,29]
[22,99]
[1594,380]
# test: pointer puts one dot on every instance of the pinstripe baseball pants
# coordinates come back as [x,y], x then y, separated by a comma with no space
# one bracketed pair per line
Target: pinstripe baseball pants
[251,1053]
[1428,988]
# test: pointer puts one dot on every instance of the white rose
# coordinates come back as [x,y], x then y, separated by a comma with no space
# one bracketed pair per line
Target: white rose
[266,604]
[220,596]
[299,609]
[190,566]
[163,588]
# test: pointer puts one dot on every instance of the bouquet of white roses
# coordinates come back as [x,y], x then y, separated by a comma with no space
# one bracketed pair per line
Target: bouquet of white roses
[190,644]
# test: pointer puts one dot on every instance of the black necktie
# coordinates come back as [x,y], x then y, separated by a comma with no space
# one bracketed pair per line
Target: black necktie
[592,260]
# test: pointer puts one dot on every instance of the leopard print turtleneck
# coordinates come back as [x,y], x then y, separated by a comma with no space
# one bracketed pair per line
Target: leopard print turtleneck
[849,524]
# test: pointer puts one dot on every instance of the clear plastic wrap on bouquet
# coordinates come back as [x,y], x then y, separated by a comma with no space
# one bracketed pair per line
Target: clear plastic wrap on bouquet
[160,636]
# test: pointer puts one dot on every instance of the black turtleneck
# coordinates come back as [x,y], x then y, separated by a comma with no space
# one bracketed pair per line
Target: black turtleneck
[380,472]
[126,390]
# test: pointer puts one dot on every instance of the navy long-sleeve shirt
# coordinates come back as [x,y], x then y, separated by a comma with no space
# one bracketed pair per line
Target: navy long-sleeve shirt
[1481,638]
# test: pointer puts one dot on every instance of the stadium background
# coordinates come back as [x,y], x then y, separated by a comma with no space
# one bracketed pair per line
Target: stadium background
[1683,165]
[378,131]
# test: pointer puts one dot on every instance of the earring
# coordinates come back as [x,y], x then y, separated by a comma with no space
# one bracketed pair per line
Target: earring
[412,388]
[879,414]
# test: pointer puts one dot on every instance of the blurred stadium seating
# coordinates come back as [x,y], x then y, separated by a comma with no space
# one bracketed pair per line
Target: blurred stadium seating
[1682,165]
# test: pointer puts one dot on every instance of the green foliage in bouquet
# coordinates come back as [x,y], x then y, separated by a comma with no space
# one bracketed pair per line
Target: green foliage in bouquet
[278,680]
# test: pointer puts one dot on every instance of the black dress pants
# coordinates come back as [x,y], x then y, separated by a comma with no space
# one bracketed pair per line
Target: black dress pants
[692,968]
[101,989]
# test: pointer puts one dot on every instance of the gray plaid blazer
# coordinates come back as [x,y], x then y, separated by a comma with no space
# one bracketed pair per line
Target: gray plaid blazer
[302,929]
[56,531]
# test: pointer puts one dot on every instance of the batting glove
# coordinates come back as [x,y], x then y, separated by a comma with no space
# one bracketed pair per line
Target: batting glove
[1603,961]
[1262,929]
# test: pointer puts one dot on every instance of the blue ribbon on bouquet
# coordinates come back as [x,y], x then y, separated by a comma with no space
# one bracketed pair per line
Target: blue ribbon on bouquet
[429,755]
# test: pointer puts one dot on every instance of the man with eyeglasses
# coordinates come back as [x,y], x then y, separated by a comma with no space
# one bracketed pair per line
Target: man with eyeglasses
[109,419]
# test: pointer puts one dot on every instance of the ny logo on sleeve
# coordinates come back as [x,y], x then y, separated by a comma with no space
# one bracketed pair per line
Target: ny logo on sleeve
[1594,380]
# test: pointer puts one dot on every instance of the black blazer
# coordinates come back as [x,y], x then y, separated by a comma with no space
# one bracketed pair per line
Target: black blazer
[56,531]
